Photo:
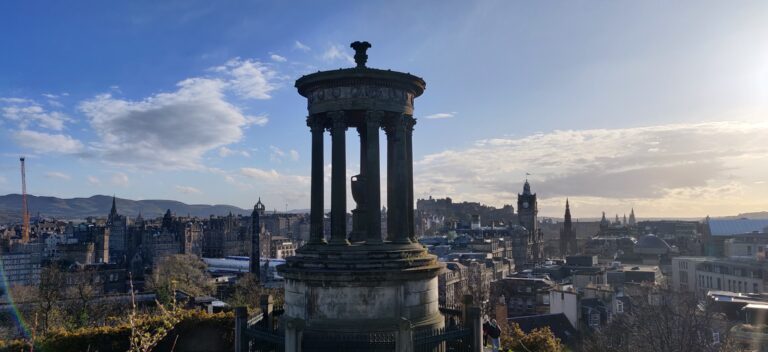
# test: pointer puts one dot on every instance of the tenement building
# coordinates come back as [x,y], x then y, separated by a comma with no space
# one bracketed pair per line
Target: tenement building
[702,274]
[360,280]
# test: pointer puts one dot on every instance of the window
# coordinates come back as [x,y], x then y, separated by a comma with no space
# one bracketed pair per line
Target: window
[619,307]
[749,250]
[754,287]
[594,320]
[718,284]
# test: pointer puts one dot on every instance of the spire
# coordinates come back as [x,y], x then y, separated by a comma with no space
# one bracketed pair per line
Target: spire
[632,220]
[603,219]
[167,220]
[114,206]
[624,221]
[527,187]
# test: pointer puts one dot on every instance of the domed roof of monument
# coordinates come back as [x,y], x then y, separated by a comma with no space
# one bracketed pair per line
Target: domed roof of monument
[361,72]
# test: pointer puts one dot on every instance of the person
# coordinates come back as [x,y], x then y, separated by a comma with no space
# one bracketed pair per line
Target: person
[494,332]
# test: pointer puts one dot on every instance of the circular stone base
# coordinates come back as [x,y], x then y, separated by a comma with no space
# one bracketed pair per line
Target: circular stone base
[362,288]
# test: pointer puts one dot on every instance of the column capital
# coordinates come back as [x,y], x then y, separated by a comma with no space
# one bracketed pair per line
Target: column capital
[410,121]
[374,117]
[316,122]
[338,121]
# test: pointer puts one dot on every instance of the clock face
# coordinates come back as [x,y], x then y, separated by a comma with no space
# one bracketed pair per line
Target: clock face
[525,205]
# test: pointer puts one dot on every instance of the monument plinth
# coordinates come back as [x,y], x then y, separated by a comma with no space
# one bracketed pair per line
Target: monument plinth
[362,281]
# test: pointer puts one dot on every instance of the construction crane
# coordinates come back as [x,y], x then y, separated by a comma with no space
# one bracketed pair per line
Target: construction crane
[24,208]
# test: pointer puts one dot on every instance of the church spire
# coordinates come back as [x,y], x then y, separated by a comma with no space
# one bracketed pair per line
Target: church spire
[632,221]
[113,211]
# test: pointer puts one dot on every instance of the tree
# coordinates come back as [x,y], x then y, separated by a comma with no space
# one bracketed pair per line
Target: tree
[183,272]
[661,322]
[49,296]
[539,340]
[248,291]
[81,295]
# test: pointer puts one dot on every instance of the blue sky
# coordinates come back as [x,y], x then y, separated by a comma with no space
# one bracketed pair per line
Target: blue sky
[616,104]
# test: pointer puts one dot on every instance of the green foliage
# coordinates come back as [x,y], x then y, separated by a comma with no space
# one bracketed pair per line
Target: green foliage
[180,272]
[117,338]
[539,340]
[248,292]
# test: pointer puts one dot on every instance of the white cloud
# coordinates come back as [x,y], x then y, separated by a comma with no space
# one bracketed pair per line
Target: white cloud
[301,46]
[608,165]
[226,152]
[57,175]
[47,143]
[337,52]
[248,78]
[277,58]
[166,130]
[259,174]
[188,189]
[93,180]
[257,120]
[119,179]
[441,115]
[27,113]
[294,154]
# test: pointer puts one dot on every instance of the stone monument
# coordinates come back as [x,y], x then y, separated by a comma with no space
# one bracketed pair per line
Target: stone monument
[361,282]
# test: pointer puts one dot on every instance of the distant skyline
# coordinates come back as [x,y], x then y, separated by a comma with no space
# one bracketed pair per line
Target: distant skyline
[653,105]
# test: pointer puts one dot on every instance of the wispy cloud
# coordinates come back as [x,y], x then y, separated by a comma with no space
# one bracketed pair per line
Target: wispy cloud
[277,58]
[441,115]
[120,179]
[93,180]
[57,175]
[187,189]
[301,46]
[42,142]
[607,164]
[337,52]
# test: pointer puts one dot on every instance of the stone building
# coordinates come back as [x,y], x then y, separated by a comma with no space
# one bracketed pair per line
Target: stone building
[523,295]
[452,284]
[702,274]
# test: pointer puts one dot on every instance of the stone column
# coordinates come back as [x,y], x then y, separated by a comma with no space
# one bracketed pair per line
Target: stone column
[400,189]
[359,190]
[338,179]
[391,208]
[317,210]
[373,176]
[409,123]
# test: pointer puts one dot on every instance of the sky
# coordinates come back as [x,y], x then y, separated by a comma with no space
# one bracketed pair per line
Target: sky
[653,105]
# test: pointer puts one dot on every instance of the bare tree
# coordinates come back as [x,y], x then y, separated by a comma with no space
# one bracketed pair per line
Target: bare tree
[662,322]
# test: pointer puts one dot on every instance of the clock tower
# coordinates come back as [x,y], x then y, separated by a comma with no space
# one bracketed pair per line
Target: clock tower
[527,209]
[527,212]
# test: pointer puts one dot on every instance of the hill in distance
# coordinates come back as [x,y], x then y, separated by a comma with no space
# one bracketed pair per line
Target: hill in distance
[99,205]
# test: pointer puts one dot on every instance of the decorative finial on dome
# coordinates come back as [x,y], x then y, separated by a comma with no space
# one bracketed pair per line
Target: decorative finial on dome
[360,56]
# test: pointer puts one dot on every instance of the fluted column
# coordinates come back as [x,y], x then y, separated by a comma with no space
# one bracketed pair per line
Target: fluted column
[372,124]
[338,178]
[399,185]
[391,208]
[316,213]
[409,123]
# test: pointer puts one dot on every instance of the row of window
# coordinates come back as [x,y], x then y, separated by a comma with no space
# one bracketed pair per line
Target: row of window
[730,285]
